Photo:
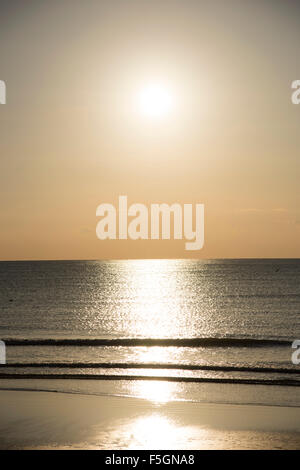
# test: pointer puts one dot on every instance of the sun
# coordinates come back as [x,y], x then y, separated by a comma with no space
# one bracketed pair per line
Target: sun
[155,100]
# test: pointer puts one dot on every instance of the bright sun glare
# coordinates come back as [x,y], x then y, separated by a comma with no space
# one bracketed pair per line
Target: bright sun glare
[155,100]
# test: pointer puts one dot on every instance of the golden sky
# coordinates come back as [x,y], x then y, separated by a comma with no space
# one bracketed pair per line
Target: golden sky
[72,136]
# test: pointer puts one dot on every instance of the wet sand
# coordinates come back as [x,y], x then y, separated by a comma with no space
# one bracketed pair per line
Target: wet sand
[47,420]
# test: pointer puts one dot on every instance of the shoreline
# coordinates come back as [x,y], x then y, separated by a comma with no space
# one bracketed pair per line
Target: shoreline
[47,420]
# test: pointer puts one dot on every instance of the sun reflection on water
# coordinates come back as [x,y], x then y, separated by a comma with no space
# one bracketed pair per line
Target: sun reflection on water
[157,301]
[155,354]
[157,392]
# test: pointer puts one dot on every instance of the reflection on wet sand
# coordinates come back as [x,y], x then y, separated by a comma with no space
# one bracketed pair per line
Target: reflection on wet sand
[62,420]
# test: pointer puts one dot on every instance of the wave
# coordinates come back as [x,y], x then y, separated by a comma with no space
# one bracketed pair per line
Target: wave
[241,381]
[177,342]
[141,365]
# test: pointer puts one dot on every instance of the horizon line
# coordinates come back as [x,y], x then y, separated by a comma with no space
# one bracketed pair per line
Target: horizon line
[145,259]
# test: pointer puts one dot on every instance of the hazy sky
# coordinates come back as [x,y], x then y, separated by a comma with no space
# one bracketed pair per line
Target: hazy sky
[71,136]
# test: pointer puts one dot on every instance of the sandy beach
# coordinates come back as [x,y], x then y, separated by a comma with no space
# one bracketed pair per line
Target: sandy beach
[47,420]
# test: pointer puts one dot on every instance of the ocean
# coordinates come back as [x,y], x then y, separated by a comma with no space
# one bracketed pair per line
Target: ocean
[162,329]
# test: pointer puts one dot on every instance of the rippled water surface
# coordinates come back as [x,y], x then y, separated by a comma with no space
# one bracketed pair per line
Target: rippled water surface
[223,321]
